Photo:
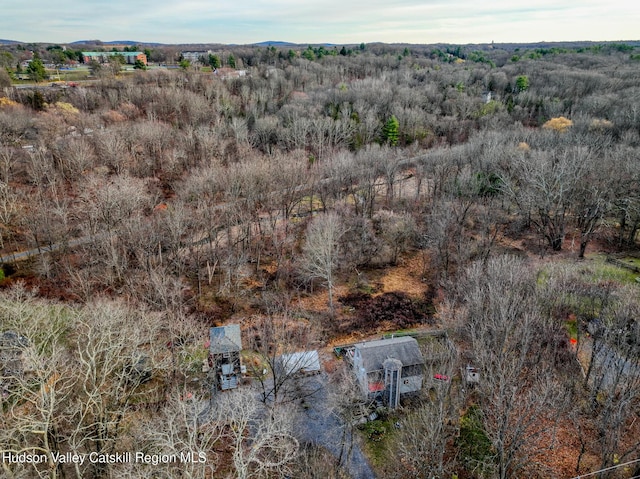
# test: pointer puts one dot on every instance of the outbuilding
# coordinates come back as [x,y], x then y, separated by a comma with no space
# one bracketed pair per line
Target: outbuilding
[225,344]
[304,362]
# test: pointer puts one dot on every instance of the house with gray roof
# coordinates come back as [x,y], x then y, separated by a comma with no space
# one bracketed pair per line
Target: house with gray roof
[388,368]
[225,344]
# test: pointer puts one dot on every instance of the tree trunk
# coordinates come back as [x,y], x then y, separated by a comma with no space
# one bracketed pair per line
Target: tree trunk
[583,247]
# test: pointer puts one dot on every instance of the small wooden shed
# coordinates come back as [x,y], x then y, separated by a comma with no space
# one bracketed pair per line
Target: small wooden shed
[304,362]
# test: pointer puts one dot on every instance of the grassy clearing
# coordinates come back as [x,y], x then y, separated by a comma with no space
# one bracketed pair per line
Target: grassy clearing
[378,435]
[594,269]
[607,271]
[308,204]
[473,443]
[194,357]
[68,75]
[631,261]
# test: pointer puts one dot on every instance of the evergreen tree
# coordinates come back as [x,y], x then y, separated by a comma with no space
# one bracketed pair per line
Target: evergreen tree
[231,61]
[36,100]
[214,61]
[308,54]
[391,130]
[6,60]
[522,83]
[95,68]
[36,69]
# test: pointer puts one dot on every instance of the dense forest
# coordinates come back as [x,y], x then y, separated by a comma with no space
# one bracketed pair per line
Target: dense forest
[325,196]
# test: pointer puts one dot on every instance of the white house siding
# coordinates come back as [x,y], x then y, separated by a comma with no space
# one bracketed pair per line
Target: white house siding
[410,384]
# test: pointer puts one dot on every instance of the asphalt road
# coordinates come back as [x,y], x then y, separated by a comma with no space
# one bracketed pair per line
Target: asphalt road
[613,367]
[318,424]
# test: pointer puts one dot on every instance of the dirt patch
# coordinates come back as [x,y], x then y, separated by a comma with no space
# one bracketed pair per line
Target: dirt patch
[407,277]
[393,310]
[318,300]
[563,439]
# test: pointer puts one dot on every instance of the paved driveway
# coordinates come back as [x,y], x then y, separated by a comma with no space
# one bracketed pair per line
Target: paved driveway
[318,424]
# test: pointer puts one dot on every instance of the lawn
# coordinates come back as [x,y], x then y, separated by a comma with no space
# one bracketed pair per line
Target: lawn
[604,270]
[377,434]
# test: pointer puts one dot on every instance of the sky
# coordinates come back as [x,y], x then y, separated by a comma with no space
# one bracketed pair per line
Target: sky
[327,21]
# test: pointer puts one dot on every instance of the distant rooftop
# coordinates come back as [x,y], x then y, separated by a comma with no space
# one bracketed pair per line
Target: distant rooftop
[99,54]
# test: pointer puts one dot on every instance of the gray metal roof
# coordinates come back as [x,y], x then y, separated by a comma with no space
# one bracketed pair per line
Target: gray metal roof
[374,353]
[305,361]
[225,339]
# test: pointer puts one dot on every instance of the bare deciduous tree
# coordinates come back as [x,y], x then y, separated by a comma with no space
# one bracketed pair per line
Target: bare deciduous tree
[106,202]
[273,335]
[613,376]
[544,189]
[321,253]
[261,439]
[513,345]
[425,435]
[186,427]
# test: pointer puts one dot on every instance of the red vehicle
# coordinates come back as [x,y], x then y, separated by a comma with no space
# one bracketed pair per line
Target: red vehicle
[441,377]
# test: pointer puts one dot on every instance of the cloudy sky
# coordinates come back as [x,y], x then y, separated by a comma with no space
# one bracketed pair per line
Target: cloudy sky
[331,21]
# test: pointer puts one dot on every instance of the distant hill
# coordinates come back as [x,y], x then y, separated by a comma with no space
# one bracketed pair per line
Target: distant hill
[275,44]
[91,42]
[289,44]
[115,42]
[282,44]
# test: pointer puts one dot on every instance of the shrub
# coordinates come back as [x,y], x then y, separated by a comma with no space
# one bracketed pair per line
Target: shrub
[474,445]
[65,107]
[600,125]
[559,124]
[6,102]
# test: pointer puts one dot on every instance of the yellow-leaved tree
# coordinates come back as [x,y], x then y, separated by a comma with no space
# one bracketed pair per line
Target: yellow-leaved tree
[559,124]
